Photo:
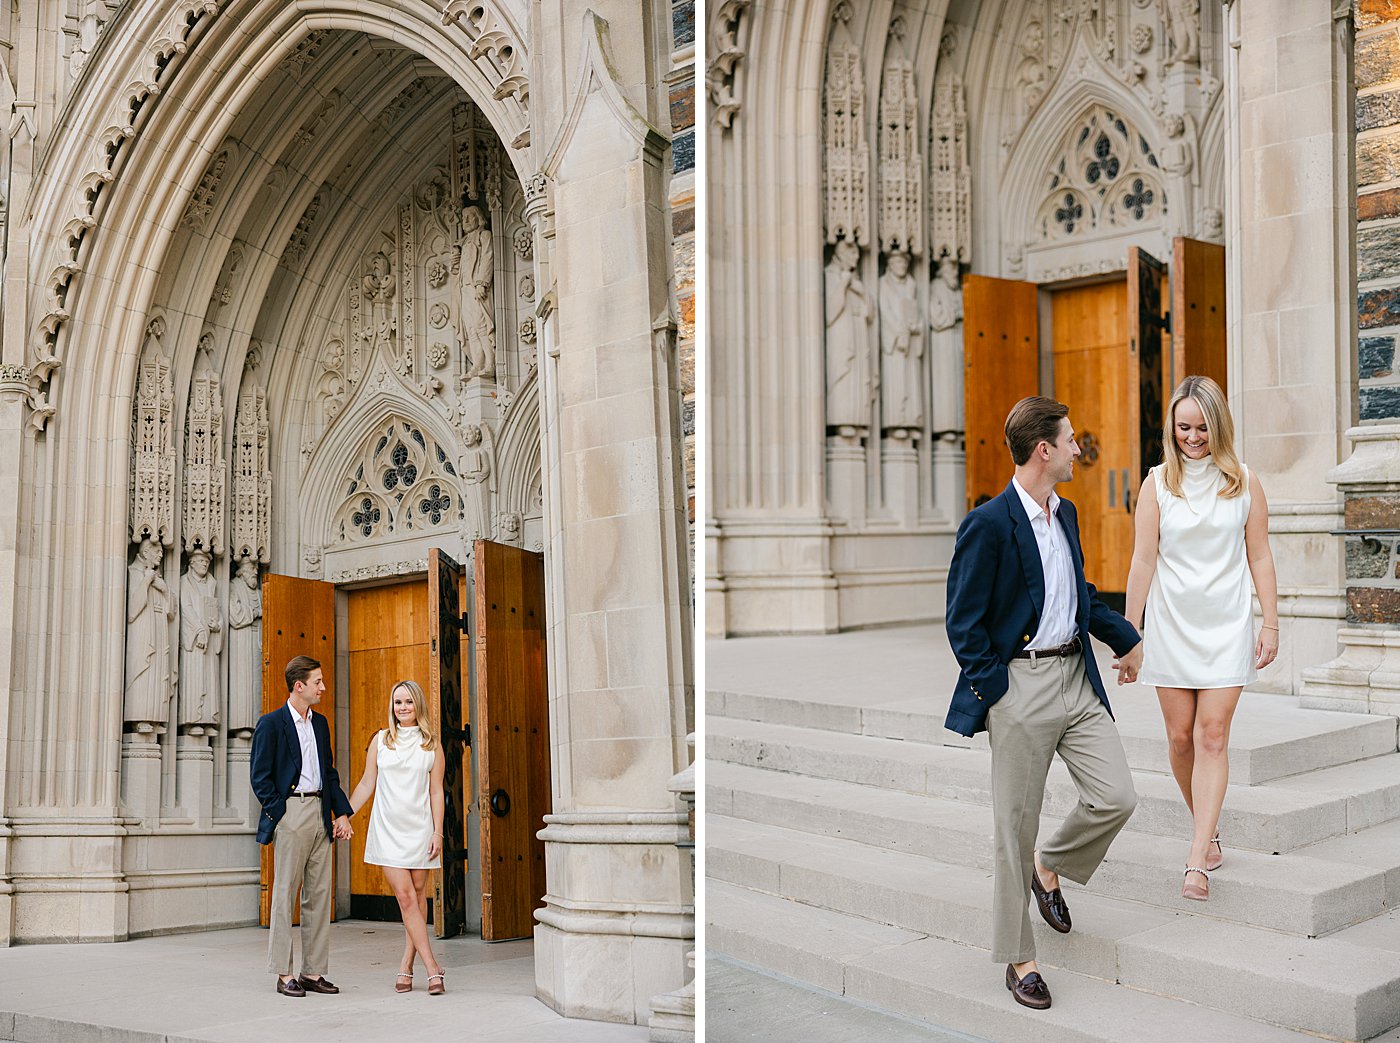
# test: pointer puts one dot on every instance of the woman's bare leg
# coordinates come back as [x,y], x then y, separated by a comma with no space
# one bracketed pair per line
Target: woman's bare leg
[1215,708]
[1179,715]
[414,923]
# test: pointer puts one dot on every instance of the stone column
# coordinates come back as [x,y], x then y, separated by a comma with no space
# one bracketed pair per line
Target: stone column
[618,916]
[1290,310]
[1365,676]
[673,1015]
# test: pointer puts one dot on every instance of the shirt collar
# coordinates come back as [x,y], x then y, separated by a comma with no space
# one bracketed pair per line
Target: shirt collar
[1033,509]
[298,717]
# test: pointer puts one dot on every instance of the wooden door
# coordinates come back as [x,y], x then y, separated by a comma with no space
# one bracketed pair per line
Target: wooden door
[512,736]
[1198,311]
[298,619]
[1147,343]
[1096,376]
[447,710]
[1001,366]
[388,642]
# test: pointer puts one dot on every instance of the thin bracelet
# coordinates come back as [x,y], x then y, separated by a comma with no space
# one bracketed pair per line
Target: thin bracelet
[1265,626]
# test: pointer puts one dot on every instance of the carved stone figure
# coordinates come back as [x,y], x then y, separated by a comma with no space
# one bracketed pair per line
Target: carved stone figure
[149,610]
[476,457]
[849,313]
[901,346]
[1182,20]
[244,648]
[201,641]
[475,274]
[945,297]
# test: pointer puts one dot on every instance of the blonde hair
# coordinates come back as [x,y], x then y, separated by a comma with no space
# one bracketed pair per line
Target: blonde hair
[1220,436]
[425,728]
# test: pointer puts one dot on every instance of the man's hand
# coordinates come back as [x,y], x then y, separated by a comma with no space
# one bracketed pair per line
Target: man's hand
[341,829]
[1128,665]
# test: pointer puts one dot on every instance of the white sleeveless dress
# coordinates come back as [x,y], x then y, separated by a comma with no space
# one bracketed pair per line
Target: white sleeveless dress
[401,821]
[1200,614]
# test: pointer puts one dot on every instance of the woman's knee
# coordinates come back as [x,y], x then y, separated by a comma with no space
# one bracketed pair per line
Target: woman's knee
[1183,744]
[1212,737]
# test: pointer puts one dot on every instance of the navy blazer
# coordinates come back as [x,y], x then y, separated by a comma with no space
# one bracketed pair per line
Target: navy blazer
[276,766]
[996,593]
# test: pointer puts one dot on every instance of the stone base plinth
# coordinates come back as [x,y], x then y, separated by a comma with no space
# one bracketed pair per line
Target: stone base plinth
[776,579]
[194,775]
[1363,678]
[619,918]
[141,767]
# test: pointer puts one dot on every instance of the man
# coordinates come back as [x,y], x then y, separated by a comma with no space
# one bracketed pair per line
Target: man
[1019,618]
[297,785]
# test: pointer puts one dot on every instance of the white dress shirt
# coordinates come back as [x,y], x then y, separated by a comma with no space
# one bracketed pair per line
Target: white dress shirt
[310,780]
[1059,618]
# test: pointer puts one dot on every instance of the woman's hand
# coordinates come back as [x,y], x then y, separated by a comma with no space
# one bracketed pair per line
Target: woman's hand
[435,845]
[1265,647]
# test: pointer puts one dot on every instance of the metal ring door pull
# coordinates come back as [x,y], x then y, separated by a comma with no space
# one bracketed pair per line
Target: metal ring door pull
[500,803]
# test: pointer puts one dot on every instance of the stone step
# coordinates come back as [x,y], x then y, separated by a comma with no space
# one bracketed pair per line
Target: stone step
[1271,737]
[1273,817]
[1293,893]
[950,984]
[1320,985]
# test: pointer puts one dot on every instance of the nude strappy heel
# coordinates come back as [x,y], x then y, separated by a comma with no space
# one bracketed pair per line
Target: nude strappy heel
[1218,860]
[439,988]
[1195,892]
[400,986]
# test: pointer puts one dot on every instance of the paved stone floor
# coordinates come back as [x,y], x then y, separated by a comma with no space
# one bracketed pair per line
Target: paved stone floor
[795,1013]
[211,986]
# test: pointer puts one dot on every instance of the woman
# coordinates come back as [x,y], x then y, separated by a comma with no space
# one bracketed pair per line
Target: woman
[405,825]
[1202,532]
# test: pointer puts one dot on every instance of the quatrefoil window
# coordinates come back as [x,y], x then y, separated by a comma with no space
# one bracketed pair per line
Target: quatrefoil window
[1138,199]
[1068,214]
[436,504]
[367,517]
[1103,179]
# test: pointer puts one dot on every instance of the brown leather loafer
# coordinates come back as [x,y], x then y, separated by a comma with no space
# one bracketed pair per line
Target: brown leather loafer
[1051,904]
[290,987]
[1030,991]
[317,985]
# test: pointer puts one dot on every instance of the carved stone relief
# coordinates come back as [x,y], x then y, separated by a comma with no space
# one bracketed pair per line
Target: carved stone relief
[727,23]
[901,347]
[204,458]
[901,166]
[153,444]
[849,315]
[201,642]
[847,157]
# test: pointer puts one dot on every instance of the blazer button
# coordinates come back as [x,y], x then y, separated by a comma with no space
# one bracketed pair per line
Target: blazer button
[1025,637]
[979,698]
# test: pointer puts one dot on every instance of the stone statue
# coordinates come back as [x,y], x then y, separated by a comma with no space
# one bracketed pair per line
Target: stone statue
[1182,21]
[945,297]
[901,345]
[244,648]
[149,610]
[475,273]
[201,641]
[476,458]
[849,313]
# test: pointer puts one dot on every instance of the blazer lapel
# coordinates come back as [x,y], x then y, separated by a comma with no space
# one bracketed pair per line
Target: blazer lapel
[289,736]
[1027,547]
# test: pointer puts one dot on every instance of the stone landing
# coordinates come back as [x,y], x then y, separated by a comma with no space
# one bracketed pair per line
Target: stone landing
[848,846]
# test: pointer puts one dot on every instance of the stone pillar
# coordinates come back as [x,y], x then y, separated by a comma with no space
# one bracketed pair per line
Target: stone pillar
[1365,676]
[618,916]
[1289,309]
[673,1014]
[901,470]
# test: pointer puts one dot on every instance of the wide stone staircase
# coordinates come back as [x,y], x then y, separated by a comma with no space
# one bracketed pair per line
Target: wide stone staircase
[848,846]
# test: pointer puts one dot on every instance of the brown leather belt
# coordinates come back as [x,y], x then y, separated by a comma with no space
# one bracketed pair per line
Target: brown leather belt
[1072,647]
[299,793]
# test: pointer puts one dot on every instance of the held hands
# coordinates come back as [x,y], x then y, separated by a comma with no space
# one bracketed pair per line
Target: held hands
[1266,647]
[341,828]
[1128,665]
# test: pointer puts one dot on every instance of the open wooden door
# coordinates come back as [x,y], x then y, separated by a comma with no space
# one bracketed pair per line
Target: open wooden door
[512,736]
[446,709]
[1001,366]
[298,619]
[1096,376]
[1147,331]
[1198,311]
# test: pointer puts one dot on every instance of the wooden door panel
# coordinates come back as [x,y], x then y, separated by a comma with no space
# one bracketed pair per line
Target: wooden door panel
[388,642]
[447,709]
[512,736]
[1001,366]
[298,619]
[1094,377]
[1198,311]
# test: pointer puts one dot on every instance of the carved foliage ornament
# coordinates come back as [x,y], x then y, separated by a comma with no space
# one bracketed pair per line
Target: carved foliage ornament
[726,25]
[493,37]
[204,459]
[1105,177]
[847,157]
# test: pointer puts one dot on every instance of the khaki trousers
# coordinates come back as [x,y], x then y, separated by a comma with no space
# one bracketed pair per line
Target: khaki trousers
[301,857]
[1050,707]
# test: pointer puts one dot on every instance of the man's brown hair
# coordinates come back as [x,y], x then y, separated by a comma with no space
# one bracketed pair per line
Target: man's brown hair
[299,669]
[1032,421]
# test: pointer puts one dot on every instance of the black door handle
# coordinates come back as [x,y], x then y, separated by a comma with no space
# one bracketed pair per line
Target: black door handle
[500,803]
